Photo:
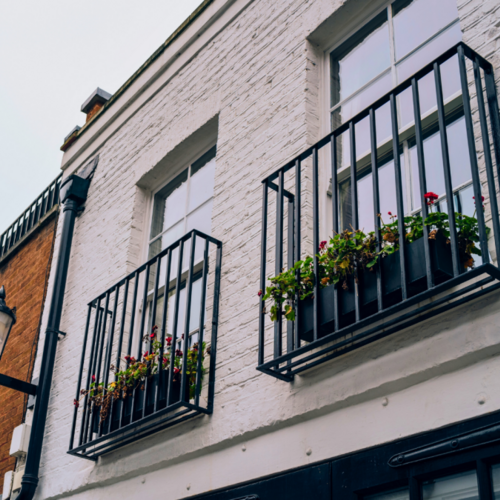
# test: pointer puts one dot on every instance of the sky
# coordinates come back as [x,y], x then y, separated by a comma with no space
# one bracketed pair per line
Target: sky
[53,55]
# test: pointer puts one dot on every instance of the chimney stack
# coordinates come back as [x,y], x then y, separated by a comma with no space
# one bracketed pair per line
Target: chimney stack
[95,102]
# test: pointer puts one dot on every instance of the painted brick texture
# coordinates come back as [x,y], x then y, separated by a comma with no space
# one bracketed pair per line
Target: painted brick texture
[24,276]
[260,78]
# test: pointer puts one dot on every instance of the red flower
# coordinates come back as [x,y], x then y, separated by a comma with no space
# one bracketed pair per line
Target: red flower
[76,402]
[259,293]
[176,371]
[132,360]
[169,341]
[482,197]
[93,378]
[165,360]
[431,197]
[178,352]
[322,245]
[146,353]
[389,213]
[152,336]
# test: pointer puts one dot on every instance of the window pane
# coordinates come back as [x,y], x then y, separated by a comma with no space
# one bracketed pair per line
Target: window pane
[459,487]
[201,185]
[201,218]
[459,152]
[429,52]
[401,494]
[361,58]
[169,205]
[387,189]
[365,203]
[495,474]
[417,21]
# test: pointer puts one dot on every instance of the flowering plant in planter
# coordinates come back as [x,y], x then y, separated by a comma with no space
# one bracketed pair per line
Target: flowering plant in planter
[351,251]
[137,371]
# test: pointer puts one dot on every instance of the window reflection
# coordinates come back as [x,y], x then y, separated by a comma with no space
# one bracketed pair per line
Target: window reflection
[364,56]
[459,487]
[416,21]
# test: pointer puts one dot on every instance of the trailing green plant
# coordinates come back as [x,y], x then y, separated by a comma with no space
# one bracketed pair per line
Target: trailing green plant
[349,252]
[138,371]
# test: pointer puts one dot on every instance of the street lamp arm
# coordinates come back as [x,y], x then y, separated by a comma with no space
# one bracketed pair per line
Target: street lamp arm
[18,385]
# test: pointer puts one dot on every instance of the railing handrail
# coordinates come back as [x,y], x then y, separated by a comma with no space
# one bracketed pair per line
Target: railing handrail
[151,261]
[5,242]
[398,89]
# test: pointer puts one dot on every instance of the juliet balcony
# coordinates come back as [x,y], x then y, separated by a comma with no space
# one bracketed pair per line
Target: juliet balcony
[387,221]
[149,347]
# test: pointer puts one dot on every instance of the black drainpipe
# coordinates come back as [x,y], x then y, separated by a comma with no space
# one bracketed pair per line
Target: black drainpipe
[73,194]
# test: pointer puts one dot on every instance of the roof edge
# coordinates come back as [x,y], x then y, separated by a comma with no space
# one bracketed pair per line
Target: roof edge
[192,17]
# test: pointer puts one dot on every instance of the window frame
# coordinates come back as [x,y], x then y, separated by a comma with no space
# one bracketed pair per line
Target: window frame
[176,170]
[393,66]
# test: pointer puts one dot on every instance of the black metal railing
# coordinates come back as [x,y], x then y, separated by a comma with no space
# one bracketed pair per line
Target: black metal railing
[30,217]
[154,319]
[328,325]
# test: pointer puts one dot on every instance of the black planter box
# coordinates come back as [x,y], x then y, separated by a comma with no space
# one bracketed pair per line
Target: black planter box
[416,276]
[137,399]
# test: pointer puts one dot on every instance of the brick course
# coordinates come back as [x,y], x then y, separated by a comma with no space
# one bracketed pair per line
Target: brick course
[24,275]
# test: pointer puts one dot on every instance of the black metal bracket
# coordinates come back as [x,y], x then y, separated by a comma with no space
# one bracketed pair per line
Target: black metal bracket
[18,385]
[61,335]
[479,437]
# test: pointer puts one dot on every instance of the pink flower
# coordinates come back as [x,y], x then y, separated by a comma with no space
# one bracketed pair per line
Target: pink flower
[322,245]
[389,213]
[259,293]
[152,336]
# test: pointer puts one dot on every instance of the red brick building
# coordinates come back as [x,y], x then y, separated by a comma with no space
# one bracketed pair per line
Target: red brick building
[25,255]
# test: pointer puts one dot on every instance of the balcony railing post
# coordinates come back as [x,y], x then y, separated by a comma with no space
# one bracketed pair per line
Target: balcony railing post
[109,352]
[201,322]
[290,262]
[354,208]
[476,182]
[335,220]
[175,322]
[189,293]
[278,324]
[399,195]
[142,334]
[316,302]
[422,174]
[298,201]
[163,331]
[90,372]
[263,256]
[447,173]
[80,374]
[215,324]
[487,156]
[376,202]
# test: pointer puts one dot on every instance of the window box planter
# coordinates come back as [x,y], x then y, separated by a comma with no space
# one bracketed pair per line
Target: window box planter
[416,275]
[137,400]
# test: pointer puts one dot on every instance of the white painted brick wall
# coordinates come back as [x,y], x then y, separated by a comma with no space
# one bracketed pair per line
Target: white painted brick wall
[261,77]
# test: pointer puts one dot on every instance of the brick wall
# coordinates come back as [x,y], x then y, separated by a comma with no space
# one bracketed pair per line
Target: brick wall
[24,275]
